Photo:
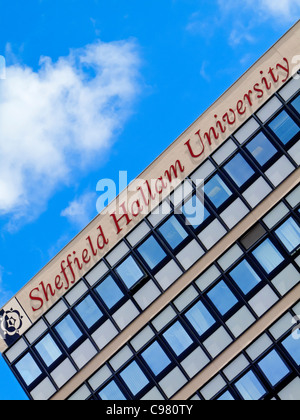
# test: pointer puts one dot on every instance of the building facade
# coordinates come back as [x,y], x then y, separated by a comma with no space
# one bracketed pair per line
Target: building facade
[187,285]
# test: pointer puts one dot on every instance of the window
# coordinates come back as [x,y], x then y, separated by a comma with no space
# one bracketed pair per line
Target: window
[89,311]
[152,252]
[239,170]
[296,104]
[110,292]
[156,358]
[274,368]
[222,298]
[268,256]
[200,318]
[178,338]
[289,234]
[134,378]
[130,272]
[292,346]
[217,191]
[195,212]
[245,277]
[68,331]
[173,232]
[112,393]
[284,127]
[227,396]
[28,369]
[250,388]
[261,149]
[48,350]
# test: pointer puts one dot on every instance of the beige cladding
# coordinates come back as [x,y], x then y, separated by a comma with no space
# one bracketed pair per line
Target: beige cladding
[287,47]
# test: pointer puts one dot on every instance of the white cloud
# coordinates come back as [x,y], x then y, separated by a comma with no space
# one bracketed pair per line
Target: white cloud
[80,211]
[284,10]
[57,121]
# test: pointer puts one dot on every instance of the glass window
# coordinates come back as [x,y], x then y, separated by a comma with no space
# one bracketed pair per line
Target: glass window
[110,292]
[245,277]
[274,368]
[217,191]
[28,369]
[130,272]
[112,393]
[156,358]
[68,331]
[200,318]
[289,234]
[250,387]
[152,252]
[268,256]
[227,396]
[195,212]
[239,170]
[178,338]
[48,350]
[222,298]
[284,127]
[134,378]
[293,347]
[261,149]
[89,311]
[296,104]
[173,232]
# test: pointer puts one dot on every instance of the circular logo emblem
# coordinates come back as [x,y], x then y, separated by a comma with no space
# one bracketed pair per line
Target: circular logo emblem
[10,322]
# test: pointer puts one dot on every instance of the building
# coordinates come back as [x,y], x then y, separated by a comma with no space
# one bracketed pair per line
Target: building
[199,298]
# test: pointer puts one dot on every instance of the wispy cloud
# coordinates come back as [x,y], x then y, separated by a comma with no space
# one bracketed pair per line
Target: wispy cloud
[81,210]
[57,121]
[282,10]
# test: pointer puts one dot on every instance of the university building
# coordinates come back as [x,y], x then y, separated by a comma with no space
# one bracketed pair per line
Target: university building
[187,287]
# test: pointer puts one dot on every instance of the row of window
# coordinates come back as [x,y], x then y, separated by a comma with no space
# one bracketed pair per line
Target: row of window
[154,256]
[268,369]
[176,343]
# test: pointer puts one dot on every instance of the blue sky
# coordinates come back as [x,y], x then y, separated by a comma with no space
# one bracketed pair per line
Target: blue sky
[95,87]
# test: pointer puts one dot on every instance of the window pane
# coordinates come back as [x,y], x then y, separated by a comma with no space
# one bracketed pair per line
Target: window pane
[110,292]
[239,170]
[173,232]
[112,393]
[156,358]
[274,368]
[268,256]
[89,311]
[296,104]
[178,338]
[226,397]
[245,277]
[289,234]
[130,272]
[222,298]
[134,378]
[200,318]
[48,350]
[217,191]
[68,331]
[250,388]
[293,347]
[28,369]
[152,252]
[284,127]
[195,212]
[261,149]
